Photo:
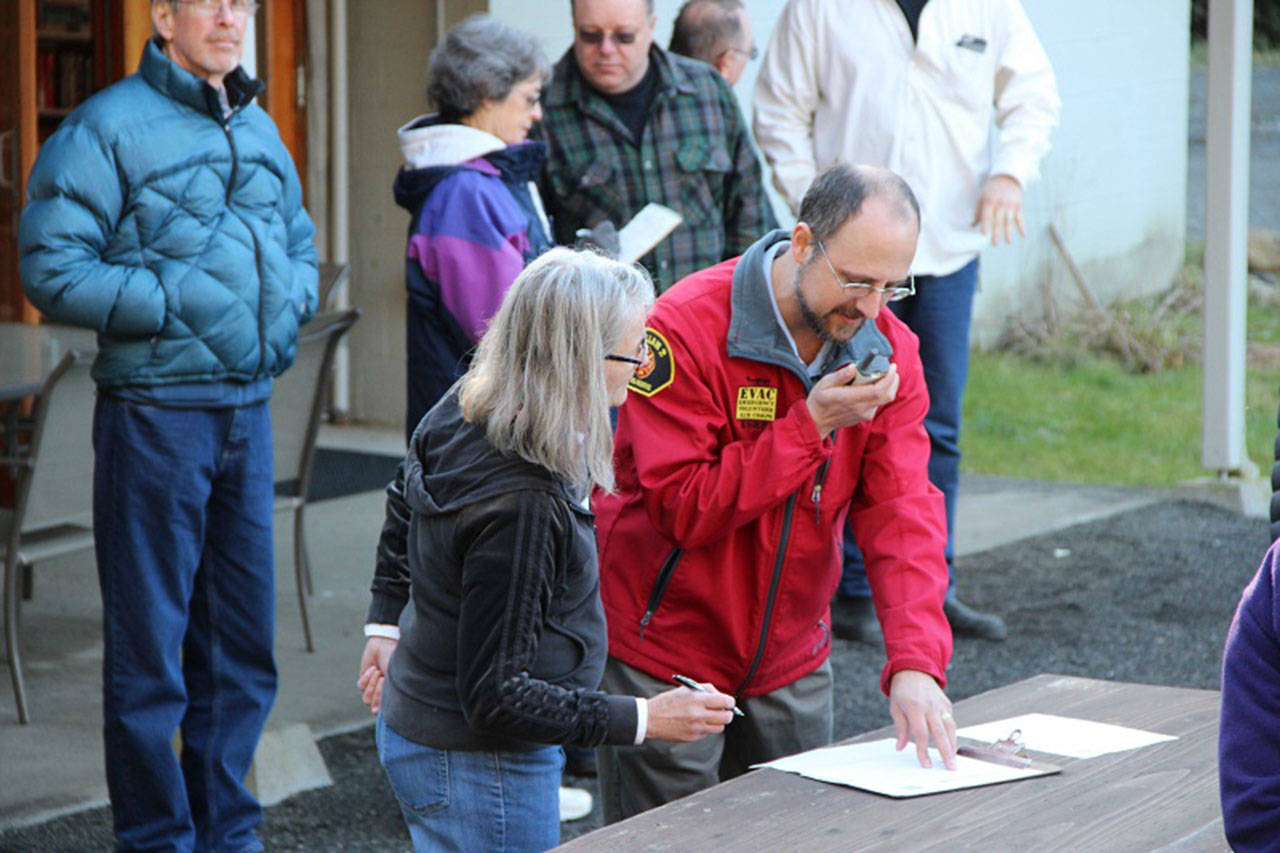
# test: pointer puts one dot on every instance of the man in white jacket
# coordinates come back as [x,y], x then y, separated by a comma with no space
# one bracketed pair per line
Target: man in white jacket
[914,85]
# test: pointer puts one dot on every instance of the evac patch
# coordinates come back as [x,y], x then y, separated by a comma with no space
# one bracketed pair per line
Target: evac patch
[756,403]
[659,368]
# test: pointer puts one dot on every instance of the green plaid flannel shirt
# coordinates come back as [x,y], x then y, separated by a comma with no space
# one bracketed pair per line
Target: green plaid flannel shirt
[695,157]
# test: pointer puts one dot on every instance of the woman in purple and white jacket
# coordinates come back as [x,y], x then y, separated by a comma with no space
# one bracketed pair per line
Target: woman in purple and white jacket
[467,182]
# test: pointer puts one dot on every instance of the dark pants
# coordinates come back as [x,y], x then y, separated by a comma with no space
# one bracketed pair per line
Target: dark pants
[183,504]
[788,720]
[940,315]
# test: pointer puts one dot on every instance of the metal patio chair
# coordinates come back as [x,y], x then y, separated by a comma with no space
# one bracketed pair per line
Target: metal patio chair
[53,507]
[297,403]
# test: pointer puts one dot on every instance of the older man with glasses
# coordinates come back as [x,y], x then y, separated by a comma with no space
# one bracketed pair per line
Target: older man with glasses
[627,123]
[757,425]
[166,214]
[718,32]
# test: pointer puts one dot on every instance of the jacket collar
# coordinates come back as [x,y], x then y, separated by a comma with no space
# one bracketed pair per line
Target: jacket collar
[181,85]
[754,332]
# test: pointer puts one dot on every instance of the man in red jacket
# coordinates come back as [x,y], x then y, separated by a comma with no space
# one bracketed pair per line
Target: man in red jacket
[752,434]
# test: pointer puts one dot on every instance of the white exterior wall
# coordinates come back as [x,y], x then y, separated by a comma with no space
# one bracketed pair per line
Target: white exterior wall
[1115,182]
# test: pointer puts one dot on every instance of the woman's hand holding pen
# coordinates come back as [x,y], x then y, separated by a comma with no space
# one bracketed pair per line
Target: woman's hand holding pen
[686,715]
[373,670]
[922,712]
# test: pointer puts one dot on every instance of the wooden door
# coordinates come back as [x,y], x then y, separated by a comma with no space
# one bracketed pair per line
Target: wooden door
[17,143]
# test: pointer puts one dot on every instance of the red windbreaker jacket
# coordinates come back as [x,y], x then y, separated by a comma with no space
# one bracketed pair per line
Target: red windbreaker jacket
[721,548]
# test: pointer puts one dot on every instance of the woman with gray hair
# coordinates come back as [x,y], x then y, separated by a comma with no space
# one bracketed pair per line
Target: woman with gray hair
[467,183]
[490,552]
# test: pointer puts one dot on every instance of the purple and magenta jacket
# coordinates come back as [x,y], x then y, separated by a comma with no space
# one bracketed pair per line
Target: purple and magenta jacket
[477,221]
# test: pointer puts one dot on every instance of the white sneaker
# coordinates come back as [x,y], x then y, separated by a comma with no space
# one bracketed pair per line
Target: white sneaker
[575,803]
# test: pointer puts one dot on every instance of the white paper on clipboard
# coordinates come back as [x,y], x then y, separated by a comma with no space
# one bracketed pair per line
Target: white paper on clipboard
[646,229]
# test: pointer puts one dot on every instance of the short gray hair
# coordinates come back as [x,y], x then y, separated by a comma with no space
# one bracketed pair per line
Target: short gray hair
[704,29]
[481,59]
[537,382]
[838,193]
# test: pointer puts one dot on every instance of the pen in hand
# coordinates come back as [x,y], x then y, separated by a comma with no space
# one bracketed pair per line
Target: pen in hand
[686,681]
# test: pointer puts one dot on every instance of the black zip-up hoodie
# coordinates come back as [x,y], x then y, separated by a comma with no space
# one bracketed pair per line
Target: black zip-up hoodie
[502,644]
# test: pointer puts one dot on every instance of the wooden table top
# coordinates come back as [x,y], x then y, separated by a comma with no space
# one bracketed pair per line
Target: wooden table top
[1144,799]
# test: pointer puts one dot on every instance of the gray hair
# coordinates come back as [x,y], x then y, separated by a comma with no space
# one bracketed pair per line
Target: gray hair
[481,59]
[704,29]
[537,382]
[837,195]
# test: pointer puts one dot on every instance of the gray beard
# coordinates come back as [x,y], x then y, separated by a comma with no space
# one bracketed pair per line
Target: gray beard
[812,320]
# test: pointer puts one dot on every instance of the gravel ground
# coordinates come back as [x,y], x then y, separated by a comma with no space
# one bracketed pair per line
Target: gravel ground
[1143,596]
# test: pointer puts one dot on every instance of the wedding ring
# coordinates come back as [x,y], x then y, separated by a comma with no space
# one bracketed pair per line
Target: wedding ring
[946,715]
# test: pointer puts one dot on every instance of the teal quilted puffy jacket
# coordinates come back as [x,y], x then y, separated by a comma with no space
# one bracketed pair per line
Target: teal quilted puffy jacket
[176,232]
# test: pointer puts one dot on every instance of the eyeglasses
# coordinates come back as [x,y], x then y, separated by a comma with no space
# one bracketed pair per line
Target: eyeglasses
[751,54]
[210,8]
[892,293]
[595,38]
[637,358]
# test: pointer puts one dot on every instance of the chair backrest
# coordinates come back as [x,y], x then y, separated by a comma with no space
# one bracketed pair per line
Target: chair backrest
[297,398]
[58,488]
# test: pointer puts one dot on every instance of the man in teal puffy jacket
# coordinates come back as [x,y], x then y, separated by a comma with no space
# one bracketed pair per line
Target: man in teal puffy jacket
[166,214]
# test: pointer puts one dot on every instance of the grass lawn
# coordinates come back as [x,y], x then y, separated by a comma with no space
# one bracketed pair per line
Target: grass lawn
[1095,422]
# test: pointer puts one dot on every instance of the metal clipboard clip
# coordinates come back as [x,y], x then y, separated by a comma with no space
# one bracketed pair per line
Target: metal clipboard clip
[1009,751]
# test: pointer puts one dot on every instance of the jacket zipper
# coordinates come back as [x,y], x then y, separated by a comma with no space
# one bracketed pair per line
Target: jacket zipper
[816,495]
[773,592]
[660,587]
[231,183]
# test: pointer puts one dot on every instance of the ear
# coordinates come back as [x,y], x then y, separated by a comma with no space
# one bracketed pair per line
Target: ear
[802,243]
[722,63]
[162,19]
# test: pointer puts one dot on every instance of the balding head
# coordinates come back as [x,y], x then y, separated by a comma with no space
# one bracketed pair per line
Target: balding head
[839,192]
[717,32]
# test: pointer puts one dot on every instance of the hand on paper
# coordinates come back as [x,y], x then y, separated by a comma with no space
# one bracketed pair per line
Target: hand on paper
[922,713]
[373,670]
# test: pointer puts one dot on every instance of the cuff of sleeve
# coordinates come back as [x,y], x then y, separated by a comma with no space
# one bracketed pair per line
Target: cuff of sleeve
[391,632]
[384,610]
[1020,168]
[920,664]
[623,716]
[642,719]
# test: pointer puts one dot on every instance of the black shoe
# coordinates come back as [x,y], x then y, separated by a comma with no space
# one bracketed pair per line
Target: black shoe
[854,619]
[967,622]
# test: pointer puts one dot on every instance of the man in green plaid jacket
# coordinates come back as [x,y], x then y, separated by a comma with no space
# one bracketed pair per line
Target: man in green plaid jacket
[627,123]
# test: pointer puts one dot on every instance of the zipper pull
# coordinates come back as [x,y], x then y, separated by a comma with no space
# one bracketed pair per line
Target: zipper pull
[644,621]
[816,497]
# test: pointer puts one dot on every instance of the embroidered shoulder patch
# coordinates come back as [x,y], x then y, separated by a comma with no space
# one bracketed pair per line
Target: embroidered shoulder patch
[756,403]
[659,368]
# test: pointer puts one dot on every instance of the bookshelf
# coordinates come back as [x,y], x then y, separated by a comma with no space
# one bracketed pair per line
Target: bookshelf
[70,58]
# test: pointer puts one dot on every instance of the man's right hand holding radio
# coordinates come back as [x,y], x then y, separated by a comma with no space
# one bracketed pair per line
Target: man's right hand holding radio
[836,400]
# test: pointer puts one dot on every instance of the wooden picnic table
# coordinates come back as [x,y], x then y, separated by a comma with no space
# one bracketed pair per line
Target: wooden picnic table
[1165,795]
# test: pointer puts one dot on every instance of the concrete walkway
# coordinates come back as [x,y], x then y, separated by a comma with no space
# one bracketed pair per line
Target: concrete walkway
[54,765]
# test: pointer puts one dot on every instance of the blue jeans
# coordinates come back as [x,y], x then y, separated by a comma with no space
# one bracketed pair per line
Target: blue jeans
[940,315]
[456,799]
[182,506]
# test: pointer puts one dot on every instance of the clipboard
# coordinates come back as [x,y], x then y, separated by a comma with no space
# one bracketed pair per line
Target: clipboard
[878,767]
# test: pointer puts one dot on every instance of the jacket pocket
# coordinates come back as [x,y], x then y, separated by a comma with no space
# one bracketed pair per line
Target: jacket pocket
[660,587]
[561,653]
[705,166]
